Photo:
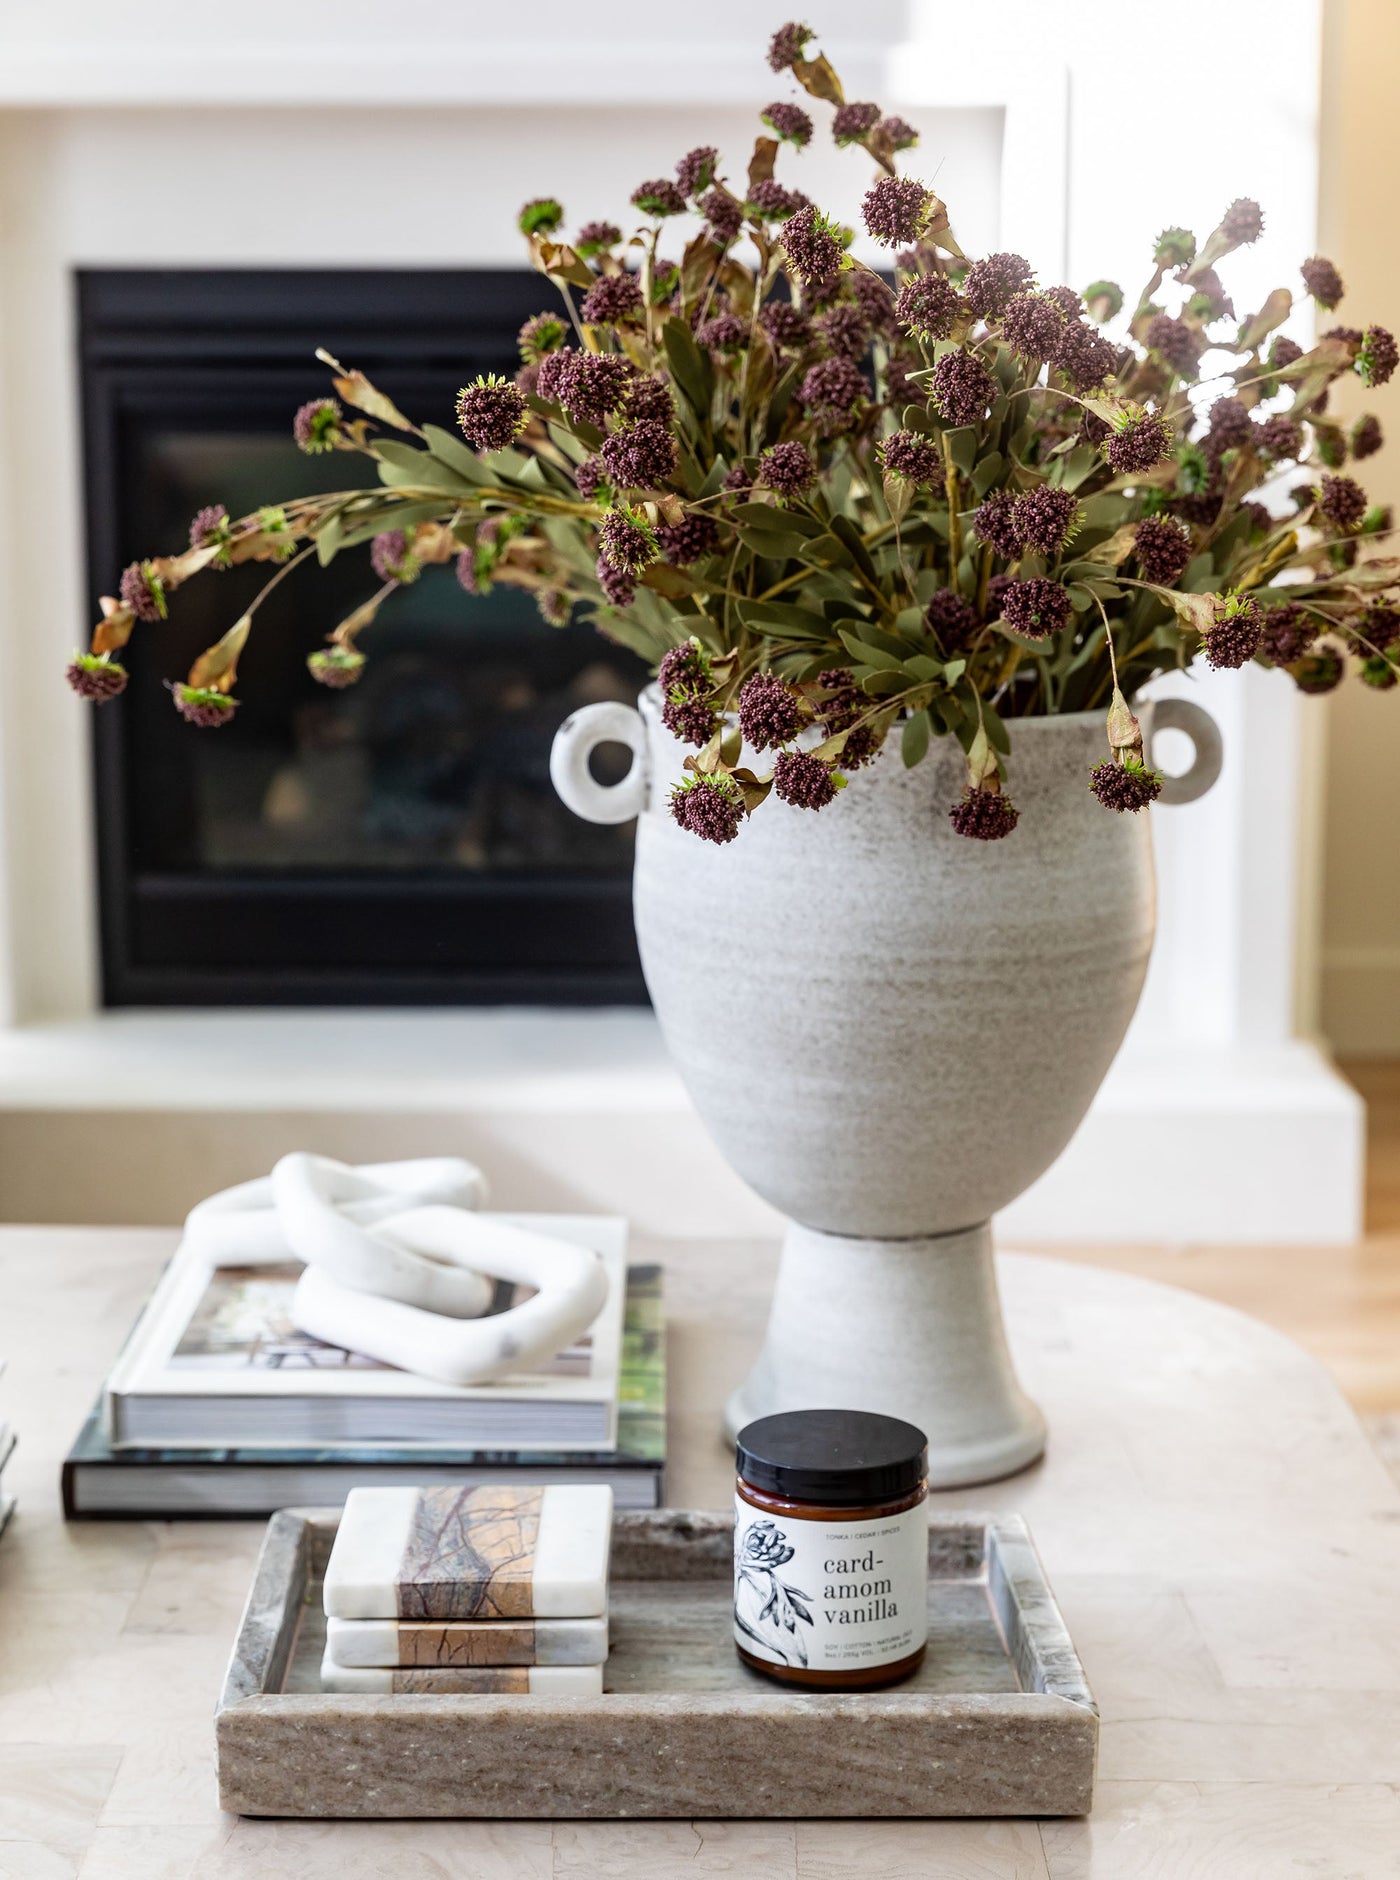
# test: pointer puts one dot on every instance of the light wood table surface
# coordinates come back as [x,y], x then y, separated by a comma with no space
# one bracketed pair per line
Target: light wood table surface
[1224,1544]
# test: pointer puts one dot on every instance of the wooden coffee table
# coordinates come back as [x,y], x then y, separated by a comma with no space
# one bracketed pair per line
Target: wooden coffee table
[1223,1541]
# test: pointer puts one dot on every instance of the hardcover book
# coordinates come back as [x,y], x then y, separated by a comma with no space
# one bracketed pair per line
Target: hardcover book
[100,1481]
[215,1362]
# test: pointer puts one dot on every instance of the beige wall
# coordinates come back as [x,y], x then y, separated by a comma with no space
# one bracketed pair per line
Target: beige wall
[1359,193]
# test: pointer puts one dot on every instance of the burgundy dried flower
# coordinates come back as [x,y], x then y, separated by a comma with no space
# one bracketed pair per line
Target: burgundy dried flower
[927,306]
[785,325]
[832,388]
[1288,632]
[737,481]
[1343,502]
[787,470]
[812,246]
[1230,424]
[686,666]
[952,620]
[594,237]
[994,523]
[962,388]
[1380,624]
[789,122]
[915,458]
[316,425]
[466,572]
[1366,436]
[843,330]
[803,780]
[689,716]
[1174,342]
[1378,357]
[875,301]
[724,216]
[335,666]
[640,456]
[1070,304]
[769,201]
[1163,549]
[1126,786]
[1137,443]
[555,606]
[898,134]
[1209,301]
[142,591]
[1322,281]
[1319,672]
[696,170]
[647,398]
[726,333]
[787,46]
[847,703]
[984,815]
[1284,352]
[626,542]
[1281,437]
[1044,519]
[554,371]
[991,283]
[900,389]
[708,806]
[616,583]
[658,197]
[96,676]
[1085,357]
[491,412]
[1349,335]
[1035,609]
[996,595]
[208,526]
[591,385]
[691,539]
[896,210]
[1233,636]
[851,122]
[590,477]
[201,705]
[1260,520]
[770,712]
[391,558]
[1033,326]
[1243,222]
[612,300]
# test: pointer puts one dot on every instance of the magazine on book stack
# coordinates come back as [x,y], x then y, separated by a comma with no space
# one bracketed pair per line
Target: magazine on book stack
[100,1481]
[215,1362]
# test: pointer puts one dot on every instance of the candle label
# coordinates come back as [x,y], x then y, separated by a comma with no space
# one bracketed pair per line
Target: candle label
[830,1595]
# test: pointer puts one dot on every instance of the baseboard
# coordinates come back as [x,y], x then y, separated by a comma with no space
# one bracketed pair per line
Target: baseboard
[130,1120]
[1360,1011]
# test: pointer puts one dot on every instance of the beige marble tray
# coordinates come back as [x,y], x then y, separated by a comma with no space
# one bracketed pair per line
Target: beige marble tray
[1000,1720]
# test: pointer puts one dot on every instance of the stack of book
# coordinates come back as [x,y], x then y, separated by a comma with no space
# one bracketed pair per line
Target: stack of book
[218,1405]
[491,1590]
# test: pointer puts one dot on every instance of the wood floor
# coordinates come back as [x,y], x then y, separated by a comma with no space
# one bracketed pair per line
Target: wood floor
[1341,1303]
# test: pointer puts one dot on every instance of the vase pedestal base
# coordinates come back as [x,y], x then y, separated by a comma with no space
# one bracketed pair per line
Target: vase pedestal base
[910,1328]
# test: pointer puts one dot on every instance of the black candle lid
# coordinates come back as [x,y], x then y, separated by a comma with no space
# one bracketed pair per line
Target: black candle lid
[835,1458]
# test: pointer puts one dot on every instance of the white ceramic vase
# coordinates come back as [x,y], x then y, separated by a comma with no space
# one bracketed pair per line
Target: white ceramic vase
[891,1032]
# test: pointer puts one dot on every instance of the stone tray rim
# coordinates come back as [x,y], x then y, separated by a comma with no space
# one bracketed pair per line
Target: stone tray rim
[1031,1751]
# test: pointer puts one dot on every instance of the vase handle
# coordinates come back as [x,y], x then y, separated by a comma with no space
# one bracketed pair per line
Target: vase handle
[1183,714]
[577,787]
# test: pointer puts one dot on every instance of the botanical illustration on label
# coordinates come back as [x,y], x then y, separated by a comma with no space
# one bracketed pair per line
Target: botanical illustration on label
[831,1595]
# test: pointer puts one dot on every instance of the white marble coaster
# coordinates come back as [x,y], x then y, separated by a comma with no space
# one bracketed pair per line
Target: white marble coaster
[465,1680]
[493,1552]
[438,1643]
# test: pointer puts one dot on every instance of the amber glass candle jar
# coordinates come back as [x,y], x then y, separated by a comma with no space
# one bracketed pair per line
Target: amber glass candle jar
[831,1548]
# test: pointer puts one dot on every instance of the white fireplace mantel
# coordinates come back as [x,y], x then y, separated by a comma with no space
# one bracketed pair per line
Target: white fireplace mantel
[306,132]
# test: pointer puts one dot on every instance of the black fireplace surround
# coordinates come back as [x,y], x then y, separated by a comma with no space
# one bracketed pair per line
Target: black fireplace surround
[394,843]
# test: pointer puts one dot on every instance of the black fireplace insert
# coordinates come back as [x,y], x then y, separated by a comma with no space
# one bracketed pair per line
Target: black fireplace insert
[394,843]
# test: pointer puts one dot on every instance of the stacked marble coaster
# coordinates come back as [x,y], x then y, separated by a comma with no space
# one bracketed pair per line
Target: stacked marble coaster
[490,1589]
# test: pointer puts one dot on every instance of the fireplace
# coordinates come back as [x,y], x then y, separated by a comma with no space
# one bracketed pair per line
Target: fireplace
[397,842]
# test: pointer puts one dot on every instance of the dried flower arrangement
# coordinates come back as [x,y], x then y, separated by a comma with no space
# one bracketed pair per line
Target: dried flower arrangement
[823,507]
